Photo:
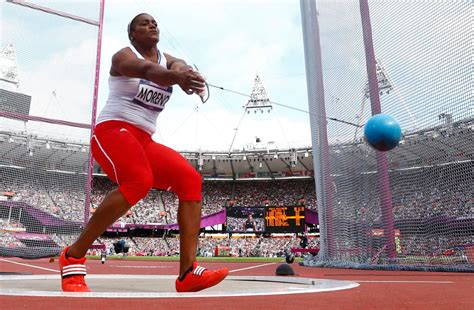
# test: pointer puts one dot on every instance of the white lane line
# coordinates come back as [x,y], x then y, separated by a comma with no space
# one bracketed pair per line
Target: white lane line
[28,265]
[252,267]
[389,281]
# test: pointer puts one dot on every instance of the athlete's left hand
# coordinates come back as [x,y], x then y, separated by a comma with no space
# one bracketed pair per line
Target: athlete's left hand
[191,82]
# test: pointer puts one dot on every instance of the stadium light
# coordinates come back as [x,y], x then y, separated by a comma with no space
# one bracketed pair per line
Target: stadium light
[48,146]
[200,162]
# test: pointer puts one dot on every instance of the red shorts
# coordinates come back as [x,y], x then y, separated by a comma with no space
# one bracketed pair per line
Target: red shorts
[130,157]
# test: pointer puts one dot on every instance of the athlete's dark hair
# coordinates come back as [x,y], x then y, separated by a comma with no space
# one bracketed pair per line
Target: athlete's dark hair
[132,24]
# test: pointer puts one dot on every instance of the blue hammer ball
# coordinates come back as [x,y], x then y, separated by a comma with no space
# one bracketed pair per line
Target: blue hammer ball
[382,132]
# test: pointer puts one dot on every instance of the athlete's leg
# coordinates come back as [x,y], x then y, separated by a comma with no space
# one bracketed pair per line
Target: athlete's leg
[173,172]
[189,220]
[111,209]
[123,159]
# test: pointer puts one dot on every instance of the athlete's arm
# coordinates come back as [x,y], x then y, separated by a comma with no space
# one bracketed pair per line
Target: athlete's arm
[126,63]
[177,64]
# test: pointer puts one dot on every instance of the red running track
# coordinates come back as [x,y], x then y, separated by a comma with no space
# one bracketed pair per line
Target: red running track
[377,290]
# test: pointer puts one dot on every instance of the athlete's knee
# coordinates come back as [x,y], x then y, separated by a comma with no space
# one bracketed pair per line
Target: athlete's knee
[137,189]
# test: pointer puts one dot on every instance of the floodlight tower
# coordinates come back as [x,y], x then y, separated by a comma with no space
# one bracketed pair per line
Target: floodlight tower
[8,68]
[258,101]
[10,85]
[384,85]
[258,98]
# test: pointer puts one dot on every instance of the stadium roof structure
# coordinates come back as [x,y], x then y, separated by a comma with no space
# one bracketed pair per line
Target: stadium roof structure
[433,146]
[21,150]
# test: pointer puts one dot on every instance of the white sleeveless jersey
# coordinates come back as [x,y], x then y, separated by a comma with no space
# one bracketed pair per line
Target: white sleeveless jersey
[136,101]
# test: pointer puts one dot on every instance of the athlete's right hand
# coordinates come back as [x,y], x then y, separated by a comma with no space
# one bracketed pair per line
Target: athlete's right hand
[191,82]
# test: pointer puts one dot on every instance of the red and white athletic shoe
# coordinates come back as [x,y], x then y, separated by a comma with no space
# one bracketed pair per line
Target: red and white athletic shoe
[73,271]
[200,278]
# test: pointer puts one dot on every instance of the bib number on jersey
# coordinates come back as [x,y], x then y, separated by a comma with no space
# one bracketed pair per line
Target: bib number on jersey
[152,96]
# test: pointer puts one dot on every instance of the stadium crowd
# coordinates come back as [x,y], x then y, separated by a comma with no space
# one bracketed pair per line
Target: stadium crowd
[419,245]
[418,193]
[169,246]
[242,247]
[7,229]
[160,207]
[8,240]
[63,197]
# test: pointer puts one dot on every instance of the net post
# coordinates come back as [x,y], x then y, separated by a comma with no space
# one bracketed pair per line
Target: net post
[94,113]
[314,79]
[385,194]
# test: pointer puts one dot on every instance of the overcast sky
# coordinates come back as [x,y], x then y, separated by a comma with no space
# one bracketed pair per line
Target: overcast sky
[423,47]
